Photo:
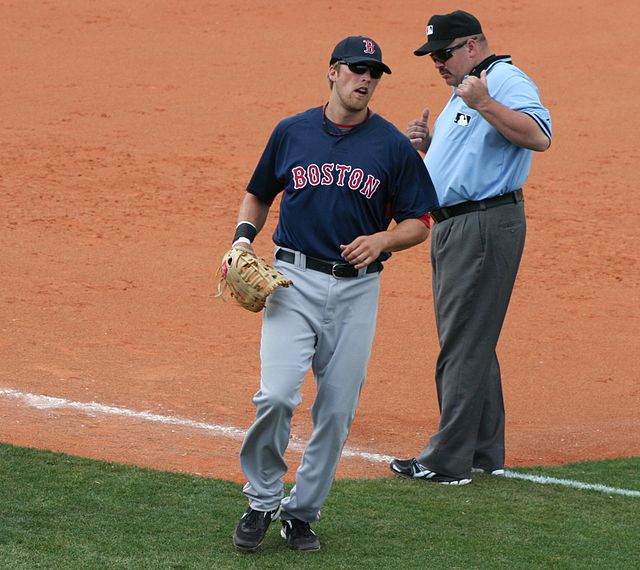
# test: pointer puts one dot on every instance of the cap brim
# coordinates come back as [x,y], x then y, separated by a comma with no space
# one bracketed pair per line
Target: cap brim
[432,46]
[371,61]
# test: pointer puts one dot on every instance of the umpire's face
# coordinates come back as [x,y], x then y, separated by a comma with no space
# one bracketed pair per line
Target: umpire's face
[456,60]
[352,90]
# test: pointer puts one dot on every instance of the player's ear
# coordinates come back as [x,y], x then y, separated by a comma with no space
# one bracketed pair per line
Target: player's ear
[332,76]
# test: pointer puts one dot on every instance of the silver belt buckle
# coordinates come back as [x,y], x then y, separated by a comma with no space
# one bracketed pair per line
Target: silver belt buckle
[333,271]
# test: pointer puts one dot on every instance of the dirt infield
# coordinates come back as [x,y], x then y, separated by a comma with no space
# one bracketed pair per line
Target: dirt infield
[129,132]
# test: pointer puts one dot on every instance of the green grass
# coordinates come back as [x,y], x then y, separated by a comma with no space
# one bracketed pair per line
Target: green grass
[62,512]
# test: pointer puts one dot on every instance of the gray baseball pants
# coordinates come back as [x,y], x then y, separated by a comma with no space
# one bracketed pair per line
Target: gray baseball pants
[326,324]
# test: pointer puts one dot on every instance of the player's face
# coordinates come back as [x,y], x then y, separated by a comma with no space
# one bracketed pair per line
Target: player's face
[352,90]
[453,62]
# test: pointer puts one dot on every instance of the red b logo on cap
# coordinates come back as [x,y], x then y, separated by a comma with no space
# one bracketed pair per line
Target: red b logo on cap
[369,47]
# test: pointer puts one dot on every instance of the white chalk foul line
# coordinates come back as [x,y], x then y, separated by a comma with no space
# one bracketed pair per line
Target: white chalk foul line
[570,483]
[49,402]
[41,402]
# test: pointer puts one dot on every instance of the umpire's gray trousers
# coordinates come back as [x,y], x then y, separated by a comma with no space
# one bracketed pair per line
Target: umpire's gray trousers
[475,259]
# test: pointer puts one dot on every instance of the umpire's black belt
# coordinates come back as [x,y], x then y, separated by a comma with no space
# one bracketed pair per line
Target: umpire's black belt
[443,214]
[335,269]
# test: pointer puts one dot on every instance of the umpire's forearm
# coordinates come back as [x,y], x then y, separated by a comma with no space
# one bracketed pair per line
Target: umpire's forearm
[517,127]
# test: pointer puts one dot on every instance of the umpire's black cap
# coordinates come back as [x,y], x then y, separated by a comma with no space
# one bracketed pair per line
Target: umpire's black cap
[359,49]
[443,29]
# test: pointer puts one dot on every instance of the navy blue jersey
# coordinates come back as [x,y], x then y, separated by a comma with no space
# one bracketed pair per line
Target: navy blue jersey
[338,186]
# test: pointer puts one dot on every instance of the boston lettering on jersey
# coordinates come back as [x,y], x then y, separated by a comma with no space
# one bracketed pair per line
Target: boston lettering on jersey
[330,173]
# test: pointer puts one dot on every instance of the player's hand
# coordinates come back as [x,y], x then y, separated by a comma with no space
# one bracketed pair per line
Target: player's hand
[363,250]
[474,91]
[418,132]
[223,266]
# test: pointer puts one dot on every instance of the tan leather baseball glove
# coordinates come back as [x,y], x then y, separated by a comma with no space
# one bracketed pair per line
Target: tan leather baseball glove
[249,278]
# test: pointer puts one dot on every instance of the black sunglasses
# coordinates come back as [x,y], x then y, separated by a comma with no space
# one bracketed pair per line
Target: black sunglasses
[361,68]
[443,55]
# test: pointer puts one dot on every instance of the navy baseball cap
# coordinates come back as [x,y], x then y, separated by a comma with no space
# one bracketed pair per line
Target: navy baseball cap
[443,29]
[359,49]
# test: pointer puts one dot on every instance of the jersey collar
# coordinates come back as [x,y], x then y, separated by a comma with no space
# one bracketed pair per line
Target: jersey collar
[340,130]
[487,63]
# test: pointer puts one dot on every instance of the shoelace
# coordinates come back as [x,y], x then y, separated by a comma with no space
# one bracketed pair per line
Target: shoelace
[254,518]
[416,467]
[301,529]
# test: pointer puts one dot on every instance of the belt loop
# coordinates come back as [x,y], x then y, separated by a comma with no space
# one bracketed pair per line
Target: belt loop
[362,271]
[301,260]
[278,249]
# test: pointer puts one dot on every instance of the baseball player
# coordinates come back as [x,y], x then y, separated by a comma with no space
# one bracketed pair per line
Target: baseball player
[479,156]
[344,173]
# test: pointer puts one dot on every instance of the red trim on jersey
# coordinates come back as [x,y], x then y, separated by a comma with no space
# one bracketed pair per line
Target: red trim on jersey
[426,219]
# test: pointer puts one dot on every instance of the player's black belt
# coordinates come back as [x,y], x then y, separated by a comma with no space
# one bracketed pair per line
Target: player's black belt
[443,214]
[335,269]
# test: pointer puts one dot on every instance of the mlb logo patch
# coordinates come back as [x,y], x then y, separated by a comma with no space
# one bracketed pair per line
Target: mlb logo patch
[429,30]
[462,120]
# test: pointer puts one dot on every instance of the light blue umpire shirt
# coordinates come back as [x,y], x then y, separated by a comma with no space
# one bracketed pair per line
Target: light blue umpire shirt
[468,159]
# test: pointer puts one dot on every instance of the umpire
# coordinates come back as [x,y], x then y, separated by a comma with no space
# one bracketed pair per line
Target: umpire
[478,156]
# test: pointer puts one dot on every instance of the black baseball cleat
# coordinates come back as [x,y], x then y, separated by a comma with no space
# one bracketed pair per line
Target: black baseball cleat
[299,536]
[252,528]
[411,469]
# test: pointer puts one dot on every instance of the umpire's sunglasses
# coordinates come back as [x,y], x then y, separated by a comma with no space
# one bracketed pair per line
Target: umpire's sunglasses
[443,55]
[361,68]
